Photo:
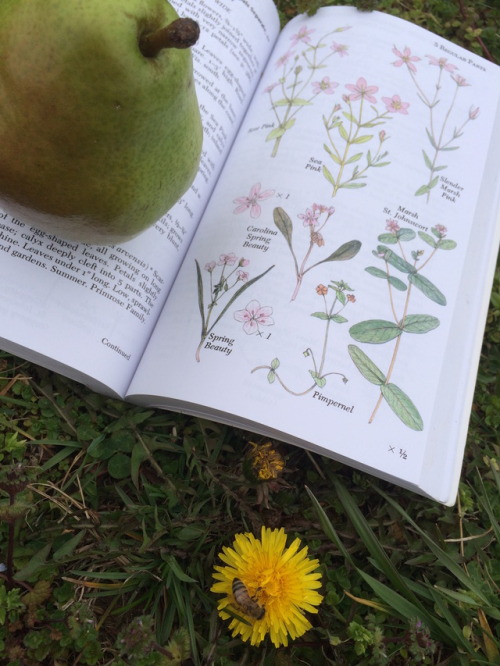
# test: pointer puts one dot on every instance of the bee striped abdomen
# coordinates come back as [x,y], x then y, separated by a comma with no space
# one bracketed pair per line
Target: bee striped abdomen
[245,602]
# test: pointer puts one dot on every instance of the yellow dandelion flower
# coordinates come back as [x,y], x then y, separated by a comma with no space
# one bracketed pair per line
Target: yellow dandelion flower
[266,461]
[281,581]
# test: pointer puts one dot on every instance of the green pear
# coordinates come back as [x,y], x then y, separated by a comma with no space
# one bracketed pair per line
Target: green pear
[100,129]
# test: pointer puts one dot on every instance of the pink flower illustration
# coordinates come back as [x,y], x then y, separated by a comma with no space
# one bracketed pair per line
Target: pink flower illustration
[252,201]
[301,36]
[242,275]
[441,229]
[405,58]
[210,266]
[340,49]
[270,87]
[459,80]
[310,218]
[254,316]
[392,225]
[395,105]
[442,63]
[320,208]
[284,59]
[227,259]
[325,85]
[361,90]
[473,113]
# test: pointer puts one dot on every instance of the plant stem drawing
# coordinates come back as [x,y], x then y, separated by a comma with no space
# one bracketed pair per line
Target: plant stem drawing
[440,136]
[232,284]
[314,219]
[349,130]
[295,79]
[380,331]
[341,296]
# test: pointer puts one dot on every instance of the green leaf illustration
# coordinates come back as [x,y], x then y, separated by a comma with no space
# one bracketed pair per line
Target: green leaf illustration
[446,244]
[366,366]
[431,139]
[419,323]
[405,234]
[375,331]
[390,239]
[328,176]
[363,139]
[353,186]
[319,381]
[297,101]
[343,253]
[343,132]
[424,189]
[271,376]
[200,297]
[354,158]
[350,117]
[279,131]
[427,238]
[320,315]
[275,363]
[427,288]
[394,260]
[428,162]
[394,281]
[402,406]
[284,223]
[338,319]
[332,154]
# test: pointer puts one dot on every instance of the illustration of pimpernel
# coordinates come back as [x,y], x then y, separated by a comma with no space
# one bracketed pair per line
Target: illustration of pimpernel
[295,88]
[382,331]
[314,220]
[341,295]
[228,286]
[440,102]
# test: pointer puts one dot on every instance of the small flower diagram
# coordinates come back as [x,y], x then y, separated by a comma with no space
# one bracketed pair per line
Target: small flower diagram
[251,202]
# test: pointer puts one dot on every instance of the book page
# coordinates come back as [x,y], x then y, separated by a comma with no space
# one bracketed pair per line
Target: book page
[323,292]
[88,311]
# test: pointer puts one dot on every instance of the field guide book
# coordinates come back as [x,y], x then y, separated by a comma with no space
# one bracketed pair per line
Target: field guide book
[326,279]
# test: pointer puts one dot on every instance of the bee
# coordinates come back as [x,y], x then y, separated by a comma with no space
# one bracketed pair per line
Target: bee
[245,602]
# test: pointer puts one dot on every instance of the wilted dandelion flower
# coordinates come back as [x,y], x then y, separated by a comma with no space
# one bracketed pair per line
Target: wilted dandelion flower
[283,581]
[266,462]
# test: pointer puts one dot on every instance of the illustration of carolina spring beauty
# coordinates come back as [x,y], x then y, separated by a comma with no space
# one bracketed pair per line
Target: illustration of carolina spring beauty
[348,128]
[229,285]
[336,296]
[291,93]
[440,101]
[381,331]
[314,219]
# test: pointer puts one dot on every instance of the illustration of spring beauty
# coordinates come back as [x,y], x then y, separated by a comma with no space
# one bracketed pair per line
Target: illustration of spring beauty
[295,89]
[408,277]
[229,284]
[314,220]
[440,101]
[336,297]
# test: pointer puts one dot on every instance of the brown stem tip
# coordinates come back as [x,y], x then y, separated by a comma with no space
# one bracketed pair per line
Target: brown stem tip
[180,34]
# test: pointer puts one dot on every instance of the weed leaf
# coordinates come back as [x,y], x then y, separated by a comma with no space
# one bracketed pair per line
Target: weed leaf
[402,406]
[419,323]
[366,366]
[427,288]
[375,331]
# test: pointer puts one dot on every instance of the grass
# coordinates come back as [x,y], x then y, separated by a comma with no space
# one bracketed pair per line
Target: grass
[112,516]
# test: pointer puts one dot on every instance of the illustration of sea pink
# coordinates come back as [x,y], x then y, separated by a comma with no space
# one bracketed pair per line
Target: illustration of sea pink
[227,259]
[395,105]
[301,36]
[442,63]
[284,59]
[459,80]
[405,58]
[253,316]
[325,85]
[361,90]
[340,49]
[252,201]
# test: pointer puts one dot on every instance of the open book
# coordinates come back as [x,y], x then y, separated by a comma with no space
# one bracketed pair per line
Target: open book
[326,279]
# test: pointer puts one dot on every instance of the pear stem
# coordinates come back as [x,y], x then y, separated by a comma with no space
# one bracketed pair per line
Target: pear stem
[180,34]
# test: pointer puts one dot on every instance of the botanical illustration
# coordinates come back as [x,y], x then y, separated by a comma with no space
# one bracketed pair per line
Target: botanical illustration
[336,296]
[252,201]
[253,316]
[402,273]
[227,281]
[349,128]
[443,130]
[295,88]
[314,220]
